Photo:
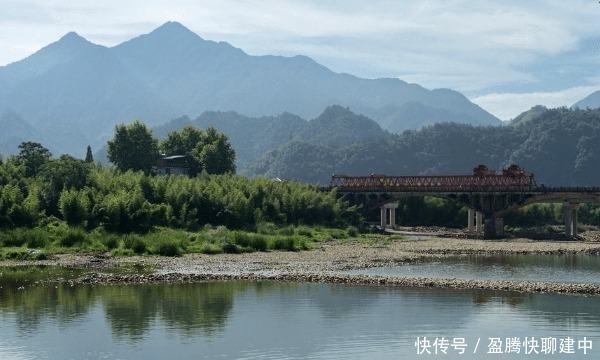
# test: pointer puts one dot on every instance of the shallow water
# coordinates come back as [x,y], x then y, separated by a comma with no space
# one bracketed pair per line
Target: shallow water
[568,268]
[269,320]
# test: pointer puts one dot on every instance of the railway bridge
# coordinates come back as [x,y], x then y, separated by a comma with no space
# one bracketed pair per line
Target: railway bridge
[489,196]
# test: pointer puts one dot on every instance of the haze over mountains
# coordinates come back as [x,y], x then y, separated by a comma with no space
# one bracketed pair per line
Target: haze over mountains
[72,93]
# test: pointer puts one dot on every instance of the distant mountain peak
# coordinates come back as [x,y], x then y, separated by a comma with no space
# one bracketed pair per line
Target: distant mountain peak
[72,39]
[173,30]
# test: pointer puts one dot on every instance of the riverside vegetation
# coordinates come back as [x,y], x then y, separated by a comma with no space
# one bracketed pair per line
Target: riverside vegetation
[55,205]
[68,205]
[51,205]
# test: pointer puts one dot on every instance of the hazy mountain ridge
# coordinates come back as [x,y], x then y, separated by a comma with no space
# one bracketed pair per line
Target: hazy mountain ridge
[254,137]
[76,91]
[561,146]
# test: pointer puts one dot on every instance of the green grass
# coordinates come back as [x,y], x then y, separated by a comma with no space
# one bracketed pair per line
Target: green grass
[57,237]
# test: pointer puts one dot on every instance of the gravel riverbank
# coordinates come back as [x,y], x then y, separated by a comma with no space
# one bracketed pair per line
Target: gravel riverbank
[326,261]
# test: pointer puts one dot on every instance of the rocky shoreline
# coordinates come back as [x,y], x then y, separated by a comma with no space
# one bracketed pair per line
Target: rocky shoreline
[457,284]
[326,264]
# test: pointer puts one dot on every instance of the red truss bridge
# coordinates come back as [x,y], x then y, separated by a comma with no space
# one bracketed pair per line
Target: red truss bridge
[488,195]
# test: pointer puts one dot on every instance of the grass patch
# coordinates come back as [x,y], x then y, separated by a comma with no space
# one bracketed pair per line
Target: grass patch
[57,237]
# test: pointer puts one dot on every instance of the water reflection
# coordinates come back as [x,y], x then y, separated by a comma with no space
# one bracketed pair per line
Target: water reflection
[566,268]
[266,319]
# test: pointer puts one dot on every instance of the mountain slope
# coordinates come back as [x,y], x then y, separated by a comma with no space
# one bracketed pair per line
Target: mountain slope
[591,101]
[253,137]
[76,91]
[560,146]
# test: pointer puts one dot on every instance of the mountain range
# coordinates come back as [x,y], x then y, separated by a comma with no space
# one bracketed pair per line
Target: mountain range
[72,93]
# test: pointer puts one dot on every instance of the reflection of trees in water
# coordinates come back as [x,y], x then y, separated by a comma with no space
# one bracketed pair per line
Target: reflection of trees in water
[33,303]
[189,309]
[129,309]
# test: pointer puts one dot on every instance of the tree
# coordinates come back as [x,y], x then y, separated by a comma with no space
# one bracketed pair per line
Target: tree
[32,156]
[89,158]
[133,148]
[216,155]
[60,174]
[184,143]
[210,150]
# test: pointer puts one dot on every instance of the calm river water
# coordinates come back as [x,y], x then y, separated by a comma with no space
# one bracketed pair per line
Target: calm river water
[268,320]
[566,268]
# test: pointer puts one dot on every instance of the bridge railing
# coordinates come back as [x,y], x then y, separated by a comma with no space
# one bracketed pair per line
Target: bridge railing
[464,183]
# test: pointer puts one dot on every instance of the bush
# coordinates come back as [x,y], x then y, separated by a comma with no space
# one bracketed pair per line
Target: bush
[211,249]
[284,244]
[230,248]
[338,234]
[258,242]
[266,228]
[168,248]
[353,231]
[111,241]
[135,243]
[242,239]
[305,231]
[73,237]
[287,231]
[37,238]
[34,238]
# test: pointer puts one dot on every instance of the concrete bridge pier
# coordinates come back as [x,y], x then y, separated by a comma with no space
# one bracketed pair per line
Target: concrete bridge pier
[391,207]
[474,221]
[471,220]
[571,210]
[499,225]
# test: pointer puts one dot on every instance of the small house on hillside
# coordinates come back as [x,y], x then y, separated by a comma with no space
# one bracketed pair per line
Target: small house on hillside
[173,165]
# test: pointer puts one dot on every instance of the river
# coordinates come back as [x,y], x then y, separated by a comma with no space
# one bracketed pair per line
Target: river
[272,320]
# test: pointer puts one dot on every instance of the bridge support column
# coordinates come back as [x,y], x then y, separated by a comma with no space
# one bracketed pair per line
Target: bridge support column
[479,222]
[384,212]
[471,220]
[571,210]
[499,225]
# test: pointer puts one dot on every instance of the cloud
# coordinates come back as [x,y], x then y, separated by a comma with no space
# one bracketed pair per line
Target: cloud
[507,106]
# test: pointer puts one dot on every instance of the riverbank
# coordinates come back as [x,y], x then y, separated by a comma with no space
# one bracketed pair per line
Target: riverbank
[326,262]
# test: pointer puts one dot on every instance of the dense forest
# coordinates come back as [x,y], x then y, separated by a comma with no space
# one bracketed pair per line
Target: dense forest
[560,146]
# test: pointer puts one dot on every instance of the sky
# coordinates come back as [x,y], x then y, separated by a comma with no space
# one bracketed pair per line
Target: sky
[504,55]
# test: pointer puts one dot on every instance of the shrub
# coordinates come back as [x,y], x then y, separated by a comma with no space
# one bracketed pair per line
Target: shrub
[242,239]
[338,234]
[352,231]
[36,238]
[73,237]
[168,248]
[211,249]
[266,228]
[259,242]
[305,231]
[230,248]
[284,244]
[135,243]
[111,241]
[287,231]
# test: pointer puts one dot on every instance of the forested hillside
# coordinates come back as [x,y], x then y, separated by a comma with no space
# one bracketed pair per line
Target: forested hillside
[561,146]
[253,137]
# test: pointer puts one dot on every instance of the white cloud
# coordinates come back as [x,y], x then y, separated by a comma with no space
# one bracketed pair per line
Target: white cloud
[507,106]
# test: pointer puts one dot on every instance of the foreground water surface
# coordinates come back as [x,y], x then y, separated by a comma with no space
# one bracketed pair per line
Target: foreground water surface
[268,320]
